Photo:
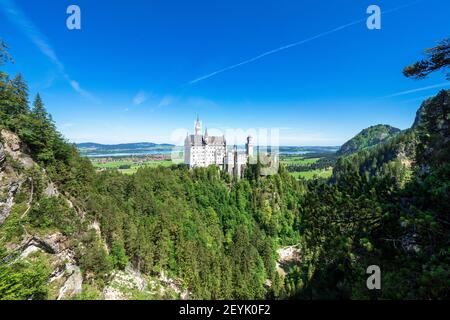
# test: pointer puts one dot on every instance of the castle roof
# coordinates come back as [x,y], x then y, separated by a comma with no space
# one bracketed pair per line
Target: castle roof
[200,140]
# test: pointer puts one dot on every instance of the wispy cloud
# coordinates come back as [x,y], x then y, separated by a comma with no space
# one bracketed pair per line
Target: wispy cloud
[139,98]
[76,86]
[295,44]
[406,92]
[166,101]
[19,18]
[157,101]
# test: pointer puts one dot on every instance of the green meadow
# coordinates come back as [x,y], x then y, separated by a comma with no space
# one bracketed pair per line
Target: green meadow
[299,160]
[130,167]
[313,174]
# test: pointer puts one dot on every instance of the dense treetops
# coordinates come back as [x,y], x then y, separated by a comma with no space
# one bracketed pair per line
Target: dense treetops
[433,122]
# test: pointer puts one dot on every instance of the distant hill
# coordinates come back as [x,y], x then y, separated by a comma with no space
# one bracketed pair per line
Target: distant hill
[96,149]
[92,149]
[368,138]
[137,145]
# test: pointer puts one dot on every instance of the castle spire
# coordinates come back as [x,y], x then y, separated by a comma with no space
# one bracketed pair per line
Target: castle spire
[198,127]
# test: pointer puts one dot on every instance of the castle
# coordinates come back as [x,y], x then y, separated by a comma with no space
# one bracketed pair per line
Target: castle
[203,150]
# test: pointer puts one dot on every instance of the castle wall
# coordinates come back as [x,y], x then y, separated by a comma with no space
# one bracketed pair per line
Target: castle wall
[203,156]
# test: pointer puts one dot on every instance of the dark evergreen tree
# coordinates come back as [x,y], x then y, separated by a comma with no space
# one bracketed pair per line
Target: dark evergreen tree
[437,58]
[39,111]
[19,95]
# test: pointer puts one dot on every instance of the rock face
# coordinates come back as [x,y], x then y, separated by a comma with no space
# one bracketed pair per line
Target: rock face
[73,285]
[2,156]
[66,273]
[51,190]
[6,206]
[11,179]
[130,283]
[124,282]
[288,256]
[12,145]
[173,285]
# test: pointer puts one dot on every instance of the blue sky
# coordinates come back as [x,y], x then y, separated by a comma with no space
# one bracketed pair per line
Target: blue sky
[139,70]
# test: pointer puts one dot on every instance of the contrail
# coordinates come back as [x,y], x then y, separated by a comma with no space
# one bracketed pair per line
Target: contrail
[402,93]
[295,44]
[275,51]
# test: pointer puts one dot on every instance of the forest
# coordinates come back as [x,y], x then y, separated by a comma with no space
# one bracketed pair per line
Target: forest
[387,204]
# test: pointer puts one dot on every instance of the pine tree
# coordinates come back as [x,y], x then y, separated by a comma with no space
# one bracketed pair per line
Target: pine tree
[437,58]
[39,110]
[19,95]
[6,102]
[4,55]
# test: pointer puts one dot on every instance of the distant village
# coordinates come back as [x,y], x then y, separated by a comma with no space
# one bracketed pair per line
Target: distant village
[134,158]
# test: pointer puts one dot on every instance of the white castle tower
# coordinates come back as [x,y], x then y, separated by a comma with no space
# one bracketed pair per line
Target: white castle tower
[249,146]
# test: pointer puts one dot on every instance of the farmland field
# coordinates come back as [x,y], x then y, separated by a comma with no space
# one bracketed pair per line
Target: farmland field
[130,166]
[300,160]
[309,175]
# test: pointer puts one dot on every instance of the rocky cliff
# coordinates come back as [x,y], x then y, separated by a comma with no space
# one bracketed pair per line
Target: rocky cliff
[19,243]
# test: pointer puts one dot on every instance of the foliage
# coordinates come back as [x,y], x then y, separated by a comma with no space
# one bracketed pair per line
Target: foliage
[53,213]
[118,255]
[437,58]
[192,226]
[4,55]
[24,280]
[93,258]
[383,209]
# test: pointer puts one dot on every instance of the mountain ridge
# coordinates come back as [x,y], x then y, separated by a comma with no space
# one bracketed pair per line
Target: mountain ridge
[122,145]
[368,138]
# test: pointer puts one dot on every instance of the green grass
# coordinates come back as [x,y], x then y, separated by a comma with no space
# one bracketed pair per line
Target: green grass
[134,166]
[313,174]
[309,174]
[300,160]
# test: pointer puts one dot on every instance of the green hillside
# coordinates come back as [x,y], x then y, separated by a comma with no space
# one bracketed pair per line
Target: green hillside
[368,138]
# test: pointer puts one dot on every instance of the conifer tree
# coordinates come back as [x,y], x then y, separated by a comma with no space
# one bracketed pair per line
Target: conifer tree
[437,58]
[4,55]
[39,110]
[19,96]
